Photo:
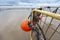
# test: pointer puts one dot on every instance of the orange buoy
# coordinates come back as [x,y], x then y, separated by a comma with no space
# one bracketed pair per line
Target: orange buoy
[24,25]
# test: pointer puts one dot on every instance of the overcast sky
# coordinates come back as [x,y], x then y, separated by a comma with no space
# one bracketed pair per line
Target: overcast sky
[15,2]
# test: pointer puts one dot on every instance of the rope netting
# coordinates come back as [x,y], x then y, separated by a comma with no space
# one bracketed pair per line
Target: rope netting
[49,25]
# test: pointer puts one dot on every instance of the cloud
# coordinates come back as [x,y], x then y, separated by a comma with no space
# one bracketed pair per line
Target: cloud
[16,2]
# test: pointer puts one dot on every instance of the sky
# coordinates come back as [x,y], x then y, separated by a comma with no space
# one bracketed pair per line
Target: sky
[17,2]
